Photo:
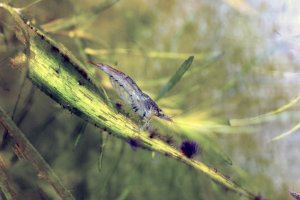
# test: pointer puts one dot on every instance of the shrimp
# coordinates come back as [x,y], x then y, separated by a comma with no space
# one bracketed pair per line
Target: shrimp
[131,94]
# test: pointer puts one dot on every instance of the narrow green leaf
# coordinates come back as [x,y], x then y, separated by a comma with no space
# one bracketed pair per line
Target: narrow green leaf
[7,186]
[264,117]
[29,153]
[124,194]
[137,52]
[81,131]
[176,77]
[101,151]
[289,132]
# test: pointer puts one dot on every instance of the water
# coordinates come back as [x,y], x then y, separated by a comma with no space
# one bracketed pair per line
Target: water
[258,73]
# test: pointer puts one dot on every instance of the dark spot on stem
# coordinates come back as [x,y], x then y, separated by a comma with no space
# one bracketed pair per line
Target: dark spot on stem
[102,118]
[83,73]
[189,148]
[80,82]
[167,154]
[134,143]
[258,197]
[66,58]
[152,134]
[169,139]
[118,106]
[57,70]
[54,49]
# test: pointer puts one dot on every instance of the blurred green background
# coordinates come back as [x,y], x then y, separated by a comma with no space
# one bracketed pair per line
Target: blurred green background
[246,64]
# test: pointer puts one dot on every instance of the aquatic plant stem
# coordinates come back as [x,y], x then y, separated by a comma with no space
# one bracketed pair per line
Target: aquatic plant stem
[24,150]
[6,184]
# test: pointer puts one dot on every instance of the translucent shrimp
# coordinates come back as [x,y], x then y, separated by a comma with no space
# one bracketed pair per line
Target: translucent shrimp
[128,90]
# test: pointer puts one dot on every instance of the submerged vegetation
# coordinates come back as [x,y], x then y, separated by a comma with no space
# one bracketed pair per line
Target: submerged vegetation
[60,116]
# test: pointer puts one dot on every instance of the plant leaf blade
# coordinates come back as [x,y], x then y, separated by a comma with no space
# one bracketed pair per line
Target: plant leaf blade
[176,77]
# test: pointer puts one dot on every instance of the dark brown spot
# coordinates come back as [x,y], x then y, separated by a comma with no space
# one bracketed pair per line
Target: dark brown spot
[57,70]
[54,49]
[169,139]
[189,148]
[102,118]
[80,82]
[152,134]
[134,143]
[66,58]
[83,73]
[118,106]
[167,154]
[258,197]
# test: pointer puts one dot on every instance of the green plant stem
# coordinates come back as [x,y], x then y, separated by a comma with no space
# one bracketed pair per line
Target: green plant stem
[24,149]
[6,184]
